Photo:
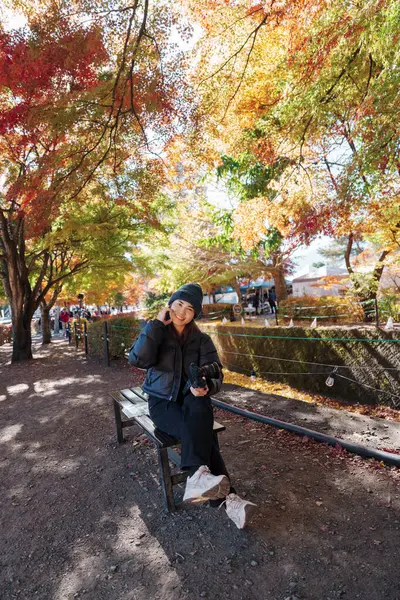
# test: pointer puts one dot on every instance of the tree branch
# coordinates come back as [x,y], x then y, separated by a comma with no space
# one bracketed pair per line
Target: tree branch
[235,53]
[348,253]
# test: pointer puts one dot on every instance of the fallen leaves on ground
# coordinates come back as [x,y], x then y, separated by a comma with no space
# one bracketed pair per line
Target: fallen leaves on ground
[315,451]
[286,391]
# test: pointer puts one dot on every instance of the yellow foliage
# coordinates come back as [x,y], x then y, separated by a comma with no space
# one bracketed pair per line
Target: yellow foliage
[250,221]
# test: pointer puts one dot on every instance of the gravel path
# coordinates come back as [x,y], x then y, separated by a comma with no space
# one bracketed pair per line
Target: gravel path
[83,518]
[359,429]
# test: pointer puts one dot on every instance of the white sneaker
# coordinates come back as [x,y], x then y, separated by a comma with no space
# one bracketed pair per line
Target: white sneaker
[203,486]
[238,510]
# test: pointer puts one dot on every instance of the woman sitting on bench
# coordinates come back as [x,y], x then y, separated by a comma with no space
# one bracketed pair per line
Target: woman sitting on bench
[172,348]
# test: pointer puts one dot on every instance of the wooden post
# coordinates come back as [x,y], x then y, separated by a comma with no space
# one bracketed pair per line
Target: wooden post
[85,337]
[76,336]
[376,313]
[106,346]
[276,314]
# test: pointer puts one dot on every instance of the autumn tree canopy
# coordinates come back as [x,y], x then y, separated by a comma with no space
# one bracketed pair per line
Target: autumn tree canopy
[315,84]
[84,88]
[295,104]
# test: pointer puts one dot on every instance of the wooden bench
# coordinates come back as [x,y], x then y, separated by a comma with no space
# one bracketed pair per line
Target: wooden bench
[130,408]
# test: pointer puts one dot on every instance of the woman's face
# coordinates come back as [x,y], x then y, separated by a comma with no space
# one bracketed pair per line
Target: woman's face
[181,312]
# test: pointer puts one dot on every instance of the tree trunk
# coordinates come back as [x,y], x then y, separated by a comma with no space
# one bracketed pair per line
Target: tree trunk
[17,270]
[22,308]
[45,310]
[22,338]
[367,297]
[280,283]
[236,285]
[46,331]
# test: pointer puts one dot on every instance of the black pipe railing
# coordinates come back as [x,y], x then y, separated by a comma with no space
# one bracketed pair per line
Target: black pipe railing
[365,451]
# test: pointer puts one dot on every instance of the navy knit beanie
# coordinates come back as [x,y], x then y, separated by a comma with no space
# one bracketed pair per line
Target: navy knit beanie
[192,293]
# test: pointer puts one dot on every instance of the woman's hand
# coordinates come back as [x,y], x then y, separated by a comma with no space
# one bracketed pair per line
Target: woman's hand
[164,316]
[199,391]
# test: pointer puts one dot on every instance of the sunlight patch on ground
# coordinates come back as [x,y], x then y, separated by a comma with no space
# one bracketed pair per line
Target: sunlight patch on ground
[86,570]
[3,397]
[82,399]
[7,434]
[384,496]
[13,390]
[134,543]
[133,549]
[35,445]
[45,385]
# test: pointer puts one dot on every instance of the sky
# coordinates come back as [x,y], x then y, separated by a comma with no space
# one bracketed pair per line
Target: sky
[11,20]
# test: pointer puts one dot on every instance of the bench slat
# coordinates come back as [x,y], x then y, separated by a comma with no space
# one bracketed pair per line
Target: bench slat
[133,410]
[140,393]
[132,396]
[117,396]
[162,439]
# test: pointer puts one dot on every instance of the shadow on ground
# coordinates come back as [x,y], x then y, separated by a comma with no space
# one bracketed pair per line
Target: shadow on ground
[83,517]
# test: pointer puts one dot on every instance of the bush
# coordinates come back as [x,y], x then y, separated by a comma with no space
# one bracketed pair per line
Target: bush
[5,334]
[122,332]
[213,312]
[330,309]
[389,306]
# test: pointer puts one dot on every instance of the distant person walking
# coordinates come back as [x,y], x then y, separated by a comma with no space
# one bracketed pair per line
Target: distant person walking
[257,302]
[272,300]
[64,318]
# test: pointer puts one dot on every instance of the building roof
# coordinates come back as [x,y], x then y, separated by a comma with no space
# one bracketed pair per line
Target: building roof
[321,273]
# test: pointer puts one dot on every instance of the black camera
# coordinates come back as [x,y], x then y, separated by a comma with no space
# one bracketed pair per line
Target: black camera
[196,374]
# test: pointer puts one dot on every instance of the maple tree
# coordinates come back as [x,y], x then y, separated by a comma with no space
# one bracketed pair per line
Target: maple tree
[316,83]
[75,98]
[269,233]
[203,248]
[97,248]
[114,284]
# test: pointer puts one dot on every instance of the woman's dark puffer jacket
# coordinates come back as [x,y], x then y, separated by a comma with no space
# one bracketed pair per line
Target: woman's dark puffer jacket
[160,353]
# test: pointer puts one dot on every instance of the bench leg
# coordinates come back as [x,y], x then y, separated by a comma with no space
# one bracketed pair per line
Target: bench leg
[166,481]
[118,422]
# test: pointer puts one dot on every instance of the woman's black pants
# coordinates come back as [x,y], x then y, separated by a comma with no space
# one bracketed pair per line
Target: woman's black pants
[190,422]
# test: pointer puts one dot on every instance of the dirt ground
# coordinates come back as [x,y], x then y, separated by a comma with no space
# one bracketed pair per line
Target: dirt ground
[82,517]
